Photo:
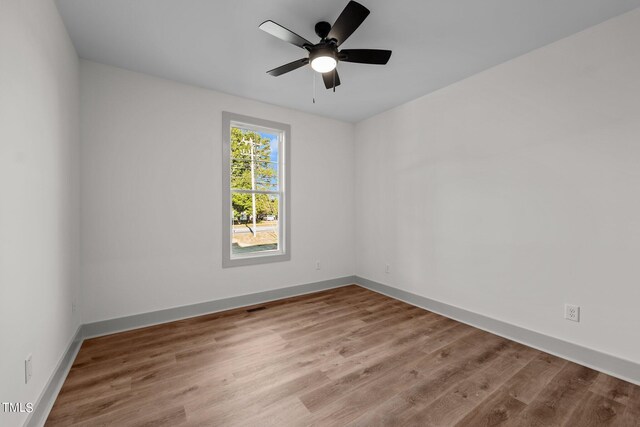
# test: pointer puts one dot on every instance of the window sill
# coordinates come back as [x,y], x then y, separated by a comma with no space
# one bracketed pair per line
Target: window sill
[255,259]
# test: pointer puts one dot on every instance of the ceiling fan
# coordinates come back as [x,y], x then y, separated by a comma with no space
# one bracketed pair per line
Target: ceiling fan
[324,55]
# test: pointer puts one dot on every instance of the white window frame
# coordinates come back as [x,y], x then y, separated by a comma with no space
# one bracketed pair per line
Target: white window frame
[283,253]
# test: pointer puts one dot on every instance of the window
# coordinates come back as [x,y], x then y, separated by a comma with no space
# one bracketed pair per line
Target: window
[255,191]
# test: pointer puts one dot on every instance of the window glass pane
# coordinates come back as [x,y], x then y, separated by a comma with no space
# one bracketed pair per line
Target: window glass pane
[265,175]
[254,160]
[249,236]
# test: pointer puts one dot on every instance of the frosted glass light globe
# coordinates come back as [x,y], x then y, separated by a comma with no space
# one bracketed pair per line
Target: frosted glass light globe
[323,64]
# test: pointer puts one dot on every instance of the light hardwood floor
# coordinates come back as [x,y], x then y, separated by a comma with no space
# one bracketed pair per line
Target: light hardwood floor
[347,356]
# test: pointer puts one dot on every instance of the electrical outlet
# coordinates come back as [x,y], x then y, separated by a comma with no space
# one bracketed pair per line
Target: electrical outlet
[73,306]
[572,312]
[387,268]
[317,265]
[28,370]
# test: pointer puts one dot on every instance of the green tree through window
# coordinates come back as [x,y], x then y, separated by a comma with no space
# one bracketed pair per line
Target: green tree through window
[253,168]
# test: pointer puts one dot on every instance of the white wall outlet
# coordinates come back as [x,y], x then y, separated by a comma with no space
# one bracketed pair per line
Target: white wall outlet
[387,268]
[28,370]
[74,306]
[317,265]
[572,312]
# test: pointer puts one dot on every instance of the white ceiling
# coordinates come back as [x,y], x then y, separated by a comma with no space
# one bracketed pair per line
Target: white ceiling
[216,44]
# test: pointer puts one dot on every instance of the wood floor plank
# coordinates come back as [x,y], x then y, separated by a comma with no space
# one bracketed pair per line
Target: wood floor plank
[496,410]
[405,330]
[555,403]
[345,356]
[440,371]
[468,393]
[612,388]
[631,415]
[287,412]
[531,379]
[596,411]
[360,401]
[251,403]
[431,333]
[333,391]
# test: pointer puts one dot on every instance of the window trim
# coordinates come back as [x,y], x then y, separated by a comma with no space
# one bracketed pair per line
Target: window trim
[284,186]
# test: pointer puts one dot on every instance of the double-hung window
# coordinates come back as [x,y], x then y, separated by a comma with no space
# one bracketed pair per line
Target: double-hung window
[255,190]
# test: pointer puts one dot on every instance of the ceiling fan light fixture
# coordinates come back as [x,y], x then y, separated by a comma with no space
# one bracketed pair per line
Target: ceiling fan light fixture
[324,55]
[323,60]
[324,64]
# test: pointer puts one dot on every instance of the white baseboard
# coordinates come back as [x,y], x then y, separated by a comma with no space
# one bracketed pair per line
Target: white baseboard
[48,396]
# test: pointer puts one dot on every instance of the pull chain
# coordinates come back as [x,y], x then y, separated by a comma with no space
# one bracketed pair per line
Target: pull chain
[313,75]
[334,79]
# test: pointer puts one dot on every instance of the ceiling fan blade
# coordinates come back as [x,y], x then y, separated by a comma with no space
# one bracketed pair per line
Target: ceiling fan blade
[285,34]
[349,20]
[288,67]
[365,56]
[328,79]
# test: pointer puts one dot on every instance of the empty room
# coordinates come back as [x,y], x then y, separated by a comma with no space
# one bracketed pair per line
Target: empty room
[319,213]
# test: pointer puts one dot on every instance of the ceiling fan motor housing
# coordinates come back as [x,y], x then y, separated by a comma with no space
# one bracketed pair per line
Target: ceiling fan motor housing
[322,29]
[326,50]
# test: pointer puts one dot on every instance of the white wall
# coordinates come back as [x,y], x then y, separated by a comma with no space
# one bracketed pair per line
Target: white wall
[39,207]
[151,195]
[517,190]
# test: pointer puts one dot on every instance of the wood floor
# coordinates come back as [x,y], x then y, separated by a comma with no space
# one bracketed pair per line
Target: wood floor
[343,357]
